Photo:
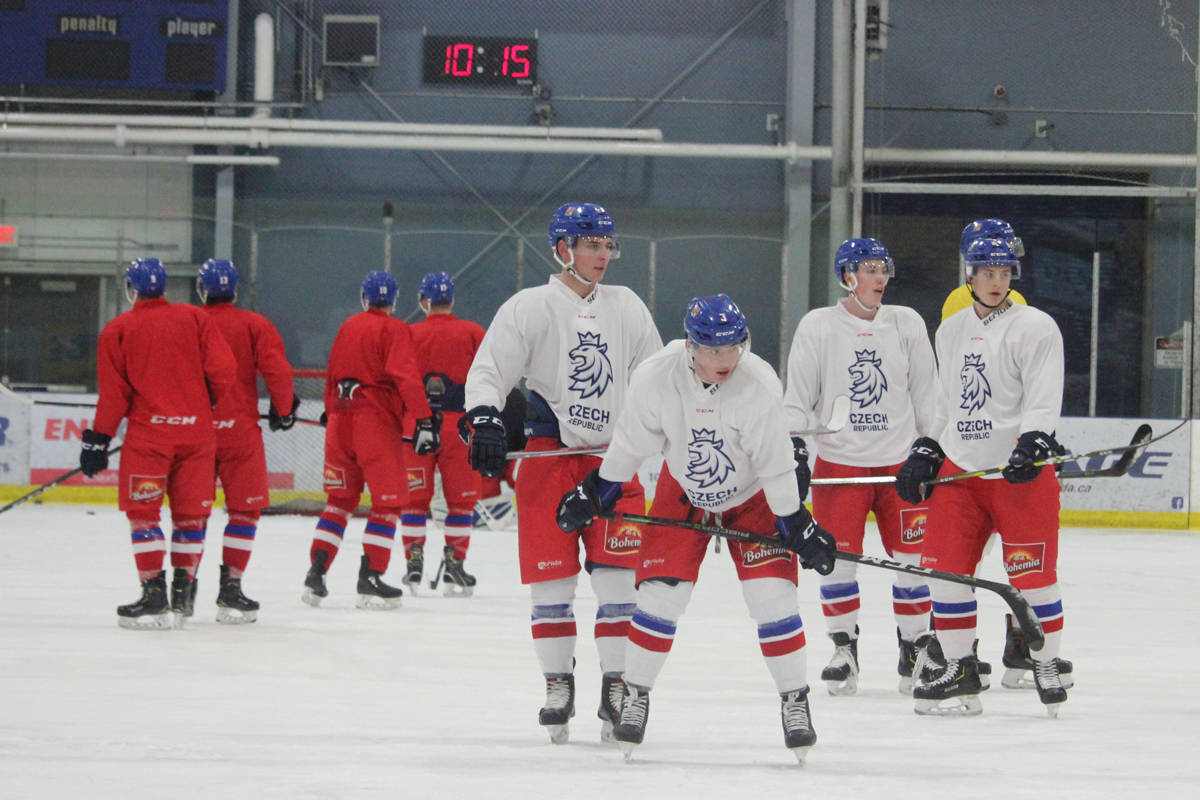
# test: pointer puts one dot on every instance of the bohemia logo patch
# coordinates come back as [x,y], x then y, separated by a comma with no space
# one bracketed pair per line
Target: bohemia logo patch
[591,371]
[146,487]
[756,555]
[335,477]
[912,525]
[625,541]
[1024,559]
[707,463]
[975,387]
[416,478]
[867,381]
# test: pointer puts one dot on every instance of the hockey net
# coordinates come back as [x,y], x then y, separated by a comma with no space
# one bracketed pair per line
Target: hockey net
[296,457]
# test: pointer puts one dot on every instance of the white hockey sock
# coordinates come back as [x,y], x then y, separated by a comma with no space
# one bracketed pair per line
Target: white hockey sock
[954,613]
[652,630]
[840,598]
[615,600]
[1047,604]
[772,604]
[553,624]
[910,599]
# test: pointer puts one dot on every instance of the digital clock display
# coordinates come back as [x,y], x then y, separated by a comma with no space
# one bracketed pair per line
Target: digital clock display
[480,60]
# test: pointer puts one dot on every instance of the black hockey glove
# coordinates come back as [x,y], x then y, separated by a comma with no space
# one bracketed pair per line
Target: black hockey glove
[1031,446]
[814,545]
[482,430]
[924,460]
[427,435]
[282,422]
[803,473]
[93,458]
[592,497]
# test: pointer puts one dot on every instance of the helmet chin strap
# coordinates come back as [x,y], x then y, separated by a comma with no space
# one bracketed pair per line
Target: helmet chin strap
[569,266]
[850,285]
[976,298]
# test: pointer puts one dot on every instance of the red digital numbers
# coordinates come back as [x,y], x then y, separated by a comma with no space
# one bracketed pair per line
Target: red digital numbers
[513,54]
[454,62]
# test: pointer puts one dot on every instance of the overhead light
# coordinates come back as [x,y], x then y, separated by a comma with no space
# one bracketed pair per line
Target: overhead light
[148,158]
[233,161]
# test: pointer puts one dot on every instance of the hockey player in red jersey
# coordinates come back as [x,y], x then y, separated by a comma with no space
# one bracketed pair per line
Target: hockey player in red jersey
[714,411]
[445,346]
[371,384]
[575,341]
[163,366]
[241,461]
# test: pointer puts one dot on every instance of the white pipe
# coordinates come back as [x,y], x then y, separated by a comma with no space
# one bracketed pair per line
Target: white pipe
[858,122]
[1087,190]
[265,137]
[1028,158]
[264,64]
[210,123]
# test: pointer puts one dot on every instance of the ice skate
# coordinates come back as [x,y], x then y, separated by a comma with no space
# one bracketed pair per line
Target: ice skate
[560,706]
[183,596]
[1018,662]
[414,568]
[841,675]
[233,607]
[958,681]
[798,733]
[1049,685]
[612,692]
[373,592]
[910,653]
[932,661]
[635,712]
[314,581]
[456,581]
[149,612]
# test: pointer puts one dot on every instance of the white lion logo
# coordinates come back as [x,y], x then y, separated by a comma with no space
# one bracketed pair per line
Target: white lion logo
[591,371]
[868,382]
[707,462]
[975,387]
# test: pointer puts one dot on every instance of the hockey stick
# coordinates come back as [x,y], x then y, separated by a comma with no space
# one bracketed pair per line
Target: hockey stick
[1023,613]
[1140,440]
[839,415]
[51,484]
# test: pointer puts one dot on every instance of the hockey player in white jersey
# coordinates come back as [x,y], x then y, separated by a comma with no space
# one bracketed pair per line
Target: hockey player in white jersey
[1001,368]
[714,410]
[881,357]
[575,342]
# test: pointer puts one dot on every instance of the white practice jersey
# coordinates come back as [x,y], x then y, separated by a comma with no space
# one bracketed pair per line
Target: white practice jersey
[576,352]
[722,443]
[884,365]
[1002,376]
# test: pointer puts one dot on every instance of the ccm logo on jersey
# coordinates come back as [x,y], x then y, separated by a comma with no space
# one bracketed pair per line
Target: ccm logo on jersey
[160,419]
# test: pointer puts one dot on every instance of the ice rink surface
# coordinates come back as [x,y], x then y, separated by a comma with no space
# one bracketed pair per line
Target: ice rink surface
[440,698]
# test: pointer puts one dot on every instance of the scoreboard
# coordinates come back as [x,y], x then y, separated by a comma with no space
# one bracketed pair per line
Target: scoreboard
[114,44]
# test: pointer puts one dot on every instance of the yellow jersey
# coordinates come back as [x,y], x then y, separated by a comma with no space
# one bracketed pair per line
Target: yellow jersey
[960,298]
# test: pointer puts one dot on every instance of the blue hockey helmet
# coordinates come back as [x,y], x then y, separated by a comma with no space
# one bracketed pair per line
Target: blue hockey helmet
[991,228]
[145,277]
[715,321]
[853,252]
[437,288]
[991,253]
[378,290]
[217,279]
[571,221]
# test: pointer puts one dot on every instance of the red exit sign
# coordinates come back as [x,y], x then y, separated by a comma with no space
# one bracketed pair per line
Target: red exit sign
[8,235]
